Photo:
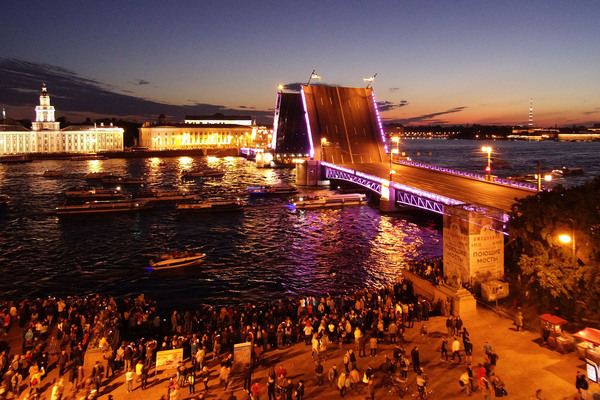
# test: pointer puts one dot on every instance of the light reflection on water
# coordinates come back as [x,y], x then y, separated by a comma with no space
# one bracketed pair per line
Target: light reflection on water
[263,253]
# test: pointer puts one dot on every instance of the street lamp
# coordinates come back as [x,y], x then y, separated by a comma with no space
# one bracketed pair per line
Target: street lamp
[488,169]
[566,239]
[323,143]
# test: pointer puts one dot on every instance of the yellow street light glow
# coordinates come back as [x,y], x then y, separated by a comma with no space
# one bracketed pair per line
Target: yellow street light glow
[395,139]
[565,238]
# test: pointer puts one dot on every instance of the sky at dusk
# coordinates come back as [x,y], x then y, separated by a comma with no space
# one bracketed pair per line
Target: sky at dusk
[436,61]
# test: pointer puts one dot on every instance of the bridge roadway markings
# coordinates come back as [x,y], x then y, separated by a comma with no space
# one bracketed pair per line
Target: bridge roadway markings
[467,190]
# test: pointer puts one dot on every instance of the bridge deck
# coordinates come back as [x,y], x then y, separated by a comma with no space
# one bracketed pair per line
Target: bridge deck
[467,190]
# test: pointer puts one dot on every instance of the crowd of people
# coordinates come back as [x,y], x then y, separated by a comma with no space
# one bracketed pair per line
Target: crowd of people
[129,332]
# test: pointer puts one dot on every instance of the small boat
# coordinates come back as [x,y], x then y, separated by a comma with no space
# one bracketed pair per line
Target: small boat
[564,171]
[176,260]
[92,192]
[499,163]
[333,200]
[524,178]
[273,190]
[121,180]
[97,175]
[212,206]
[53,173]
[203,173]
[102,207]
[162,195]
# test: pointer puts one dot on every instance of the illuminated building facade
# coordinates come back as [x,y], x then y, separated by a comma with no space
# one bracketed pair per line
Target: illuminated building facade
[203,132]
[46,136]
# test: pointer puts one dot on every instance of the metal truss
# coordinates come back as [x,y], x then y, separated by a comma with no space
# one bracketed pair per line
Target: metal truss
[413,200]
[352,176]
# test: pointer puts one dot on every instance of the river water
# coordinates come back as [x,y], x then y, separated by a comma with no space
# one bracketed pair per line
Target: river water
[264,253]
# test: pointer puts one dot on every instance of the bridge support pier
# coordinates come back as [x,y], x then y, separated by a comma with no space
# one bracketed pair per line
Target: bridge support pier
[388,203]
[310,173]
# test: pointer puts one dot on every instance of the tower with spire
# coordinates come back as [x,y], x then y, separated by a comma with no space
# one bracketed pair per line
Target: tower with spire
[44,114]
[531,115]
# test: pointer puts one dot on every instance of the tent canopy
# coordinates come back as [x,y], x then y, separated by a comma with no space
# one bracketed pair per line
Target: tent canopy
[553,319]
[589,335]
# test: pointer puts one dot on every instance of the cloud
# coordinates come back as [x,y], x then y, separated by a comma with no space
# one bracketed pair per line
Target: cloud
[594,111]
[388,105]
[428,118]
[140,82]
[21,82]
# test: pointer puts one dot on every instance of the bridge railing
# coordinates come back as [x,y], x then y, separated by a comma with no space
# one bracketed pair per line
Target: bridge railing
[472,175]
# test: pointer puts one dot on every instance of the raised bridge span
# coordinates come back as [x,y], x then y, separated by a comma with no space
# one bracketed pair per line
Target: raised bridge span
[339,130]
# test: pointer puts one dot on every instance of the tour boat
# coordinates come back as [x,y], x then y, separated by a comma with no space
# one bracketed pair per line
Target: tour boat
[121,180]
[333,200]
[97,175]
[102,207]
[176,260]
[210,206]
[272,190]
[162,195]
[92,192]
[568,171]
[86,157]
[17,159]
[53,173]
[203,173]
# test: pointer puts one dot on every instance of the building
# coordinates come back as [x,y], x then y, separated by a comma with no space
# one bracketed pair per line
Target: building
[203,132]
[46,136]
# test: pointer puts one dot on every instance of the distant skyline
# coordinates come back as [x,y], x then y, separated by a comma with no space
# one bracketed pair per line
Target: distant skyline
[437,62]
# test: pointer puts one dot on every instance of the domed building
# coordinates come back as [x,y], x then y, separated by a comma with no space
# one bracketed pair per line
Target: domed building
[46,136]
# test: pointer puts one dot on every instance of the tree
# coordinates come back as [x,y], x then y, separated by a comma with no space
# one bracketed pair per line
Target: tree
[558,274]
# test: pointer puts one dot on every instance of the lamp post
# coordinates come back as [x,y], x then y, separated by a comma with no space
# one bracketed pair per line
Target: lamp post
[570,239]
[323,143]
[488,169]
[392,152]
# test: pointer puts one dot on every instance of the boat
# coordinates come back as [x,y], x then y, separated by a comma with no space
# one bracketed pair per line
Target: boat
[176,260]
[53,173]
[103,207]
[524,178]
[18,159]
[97,175]
[333,200]
[86,157]
[203,173]
[212,206]
[162,195]
[564,171]
[121,180]
[272,190]
[499,163]
[92,192]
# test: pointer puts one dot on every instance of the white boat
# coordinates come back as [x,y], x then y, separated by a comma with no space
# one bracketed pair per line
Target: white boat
[214,206]
[102,207]
[175,260]
[272,190]
[333,200]
[563,171]
[53,173]
[203,173]
[162,195]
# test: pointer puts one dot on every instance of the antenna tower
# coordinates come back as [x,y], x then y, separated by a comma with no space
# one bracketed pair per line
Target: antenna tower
[531,113]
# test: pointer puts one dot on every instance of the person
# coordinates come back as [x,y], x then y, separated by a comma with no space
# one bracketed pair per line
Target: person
[371,389]
[299,392]
[415,359]
[144,376]
[443,349]
[537,395]
[582,386]
[424,334]
[519,320]
[191,381]
[465,383]
[332,375]
[421,383]
[341,383]
[498,386]
[247,377]
[129,380]
[255,390]
[271,380]
[319,372]
[456,349]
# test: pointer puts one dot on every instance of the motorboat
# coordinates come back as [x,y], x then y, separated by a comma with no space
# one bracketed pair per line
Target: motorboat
[203,173]
[121,180]
[53,173]
[86,157]
[103,207]
[333,200]
[524,178]
[162,195]
[97,175]
[176,260]
[92,192]
[564,171]
[212,206]
[16,159]
[273,190]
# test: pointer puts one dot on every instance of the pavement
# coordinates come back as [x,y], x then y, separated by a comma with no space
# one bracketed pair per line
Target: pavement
[524,365]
